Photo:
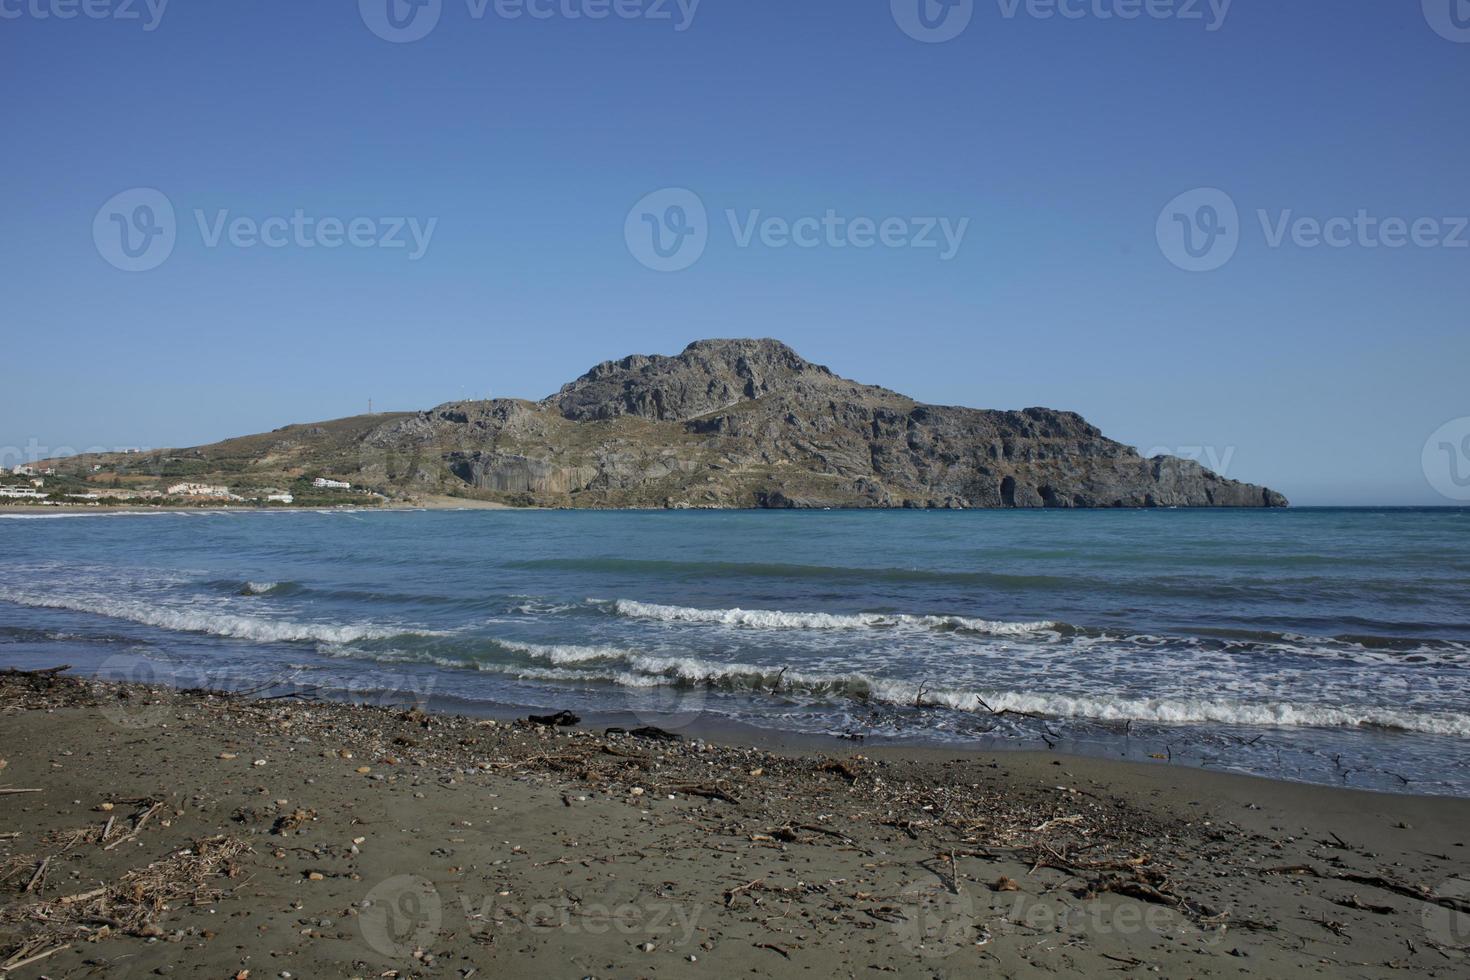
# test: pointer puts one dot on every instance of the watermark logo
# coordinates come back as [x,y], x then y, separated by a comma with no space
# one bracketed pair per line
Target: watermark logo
[136,230]
[1449,18]
[401,21]
[1362,230]
[1449,928]
[148,12]
[405,21]
[1211,13]
[936,921]
[1216,459]
[674,706]
[1199,230]
[129,707]
[937,21]
[401,916]
[933,21]
[1446,460]
[668,230]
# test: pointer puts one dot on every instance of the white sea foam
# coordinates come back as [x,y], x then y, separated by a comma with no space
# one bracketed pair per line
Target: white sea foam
[211,620]
[259,588]
[778,620]
[632,668]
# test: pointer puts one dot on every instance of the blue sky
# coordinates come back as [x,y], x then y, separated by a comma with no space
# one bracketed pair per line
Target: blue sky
[519,148]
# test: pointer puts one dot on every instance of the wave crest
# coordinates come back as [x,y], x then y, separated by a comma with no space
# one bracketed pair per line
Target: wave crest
[779,620]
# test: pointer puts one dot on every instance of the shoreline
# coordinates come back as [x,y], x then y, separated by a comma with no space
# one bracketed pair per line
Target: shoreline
[1160,750]
[430,504]
[353,840]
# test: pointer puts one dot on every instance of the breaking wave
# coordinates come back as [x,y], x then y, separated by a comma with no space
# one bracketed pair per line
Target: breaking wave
[778,620]
[632,668]
[211,621]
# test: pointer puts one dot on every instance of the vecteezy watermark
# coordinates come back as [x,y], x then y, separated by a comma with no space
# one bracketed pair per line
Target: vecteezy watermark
[1448,927]
[1212,458]
[405,21]
[669,230]
[1200,230]
[936,919]
[933,21]
[34,452]
[1446,460]
[149,13]
[136,231]
[674,706]
[937,21]
[149,687]
[399,917]
[1449,18]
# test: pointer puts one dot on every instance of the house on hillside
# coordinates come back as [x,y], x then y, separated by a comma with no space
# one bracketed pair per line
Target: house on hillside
[201,490]
[23,493]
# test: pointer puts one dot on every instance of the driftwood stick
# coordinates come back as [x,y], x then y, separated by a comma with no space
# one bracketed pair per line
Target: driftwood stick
[137,826]
[17,964]
[35,881]
[44,672]
[82,897]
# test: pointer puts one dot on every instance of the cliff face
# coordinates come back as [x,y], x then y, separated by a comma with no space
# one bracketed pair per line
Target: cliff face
[749,423]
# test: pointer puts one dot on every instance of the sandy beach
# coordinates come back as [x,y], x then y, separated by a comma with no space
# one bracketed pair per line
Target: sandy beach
[152,832]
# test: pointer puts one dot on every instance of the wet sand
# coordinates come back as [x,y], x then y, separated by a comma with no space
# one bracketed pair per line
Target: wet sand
[195,834]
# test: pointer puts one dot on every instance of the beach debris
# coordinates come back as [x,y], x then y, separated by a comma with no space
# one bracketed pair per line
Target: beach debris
[1046,825]
[647,731]
[40,875]
[744,803]
[288,823]
[1353,902]
[149,808]
[840,768]
[130,905]
[33,952]
[562,719]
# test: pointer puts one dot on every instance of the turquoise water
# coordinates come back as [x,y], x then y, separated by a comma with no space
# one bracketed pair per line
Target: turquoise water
[1322,645]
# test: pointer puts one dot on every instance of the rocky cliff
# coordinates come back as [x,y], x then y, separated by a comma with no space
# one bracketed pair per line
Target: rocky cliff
[750,423]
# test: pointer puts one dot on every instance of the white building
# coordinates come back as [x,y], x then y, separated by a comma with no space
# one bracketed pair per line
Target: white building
[322,483]
[24,470]
[280,498]
[26,493]
[200,490]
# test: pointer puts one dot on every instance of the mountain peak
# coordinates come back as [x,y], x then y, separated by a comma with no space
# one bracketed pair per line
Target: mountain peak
[707,376]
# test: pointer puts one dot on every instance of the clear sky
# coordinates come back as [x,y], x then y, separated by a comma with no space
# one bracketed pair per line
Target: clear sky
[520,148]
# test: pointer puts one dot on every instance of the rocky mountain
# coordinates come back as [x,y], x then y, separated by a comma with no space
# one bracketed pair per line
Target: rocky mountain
[734,423]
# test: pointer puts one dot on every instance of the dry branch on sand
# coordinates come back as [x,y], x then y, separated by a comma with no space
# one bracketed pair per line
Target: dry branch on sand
[132,905]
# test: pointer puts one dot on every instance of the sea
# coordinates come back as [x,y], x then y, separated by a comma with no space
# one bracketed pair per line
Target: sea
[1326,646]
